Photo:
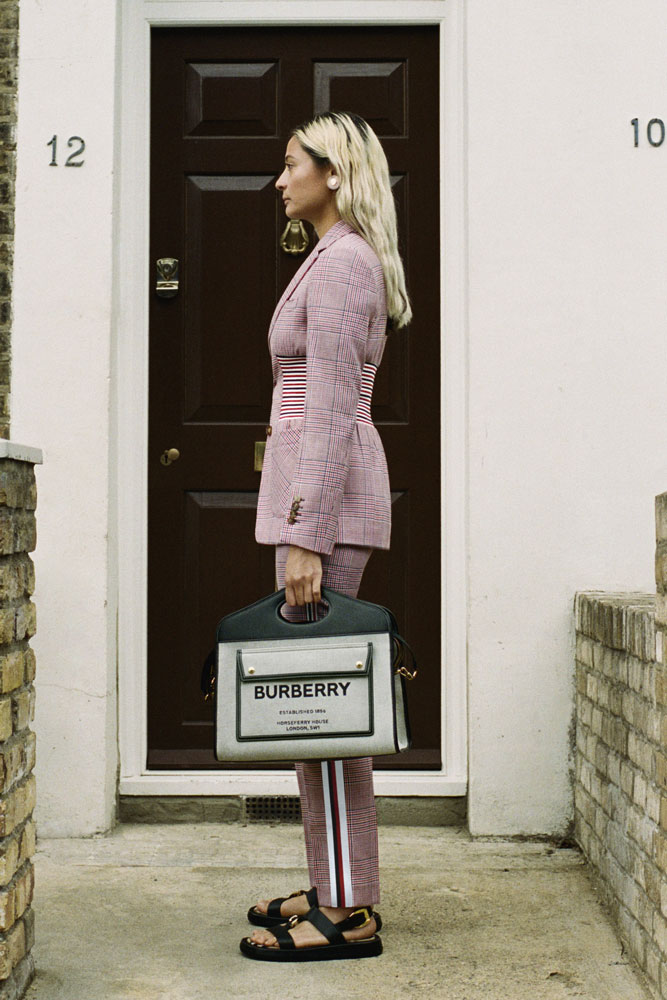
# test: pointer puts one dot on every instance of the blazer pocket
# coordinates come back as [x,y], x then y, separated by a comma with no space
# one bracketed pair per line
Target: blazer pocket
[284,460]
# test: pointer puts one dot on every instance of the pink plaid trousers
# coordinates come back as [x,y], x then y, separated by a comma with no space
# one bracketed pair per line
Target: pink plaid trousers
[337,799]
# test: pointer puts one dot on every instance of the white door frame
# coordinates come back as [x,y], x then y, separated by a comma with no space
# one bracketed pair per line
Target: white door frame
[129,419]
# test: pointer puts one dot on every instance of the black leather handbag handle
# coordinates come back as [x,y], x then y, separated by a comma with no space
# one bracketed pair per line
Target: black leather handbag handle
[345,616]
[262,620]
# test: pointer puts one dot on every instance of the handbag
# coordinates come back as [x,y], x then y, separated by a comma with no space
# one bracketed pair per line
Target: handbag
[323,689]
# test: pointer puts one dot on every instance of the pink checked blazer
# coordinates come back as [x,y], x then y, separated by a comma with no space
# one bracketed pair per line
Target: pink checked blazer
[324,480]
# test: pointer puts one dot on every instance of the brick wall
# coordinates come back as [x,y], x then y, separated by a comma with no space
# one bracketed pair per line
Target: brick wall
[9,16]
[621,758]
[17,741]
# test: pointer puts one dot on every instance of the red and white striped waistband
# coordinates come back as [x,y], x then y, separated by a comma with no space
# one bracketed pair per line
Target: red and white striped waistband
[294,389]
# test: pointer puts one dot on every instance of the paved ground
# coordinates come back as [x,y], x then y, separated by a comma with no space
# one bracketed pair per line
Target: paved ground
[155,912]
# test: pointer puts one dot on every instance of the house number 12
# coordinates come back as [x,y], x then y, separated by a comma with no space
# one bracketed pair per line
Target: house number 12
[71,160]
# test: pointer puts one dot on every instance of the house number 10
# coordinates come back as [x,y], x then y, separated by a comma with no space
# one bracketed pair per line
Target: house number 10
[71,160]
[655,131]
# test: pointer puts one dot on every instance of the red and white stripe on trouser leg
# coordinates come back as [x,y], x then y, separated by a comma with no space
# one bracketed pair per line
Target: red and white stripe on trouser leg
[340,824]
[338,842]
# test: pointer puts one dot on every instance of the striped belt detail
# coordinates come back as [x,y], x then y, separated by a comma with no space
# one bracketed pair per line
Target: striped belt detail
[294,389]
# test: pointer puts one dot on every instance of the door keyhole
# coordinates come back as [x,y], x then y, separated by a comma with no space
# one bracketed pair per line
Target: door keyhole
[169,456]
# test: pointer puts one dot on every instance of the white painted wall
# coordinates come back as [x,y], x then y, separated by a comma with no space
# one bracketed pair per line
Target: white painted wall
[60,398]
[567,403]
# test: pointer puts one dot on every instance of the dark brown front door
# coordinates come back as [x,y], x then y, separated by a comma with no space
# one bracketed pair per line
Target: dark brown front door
[222,104]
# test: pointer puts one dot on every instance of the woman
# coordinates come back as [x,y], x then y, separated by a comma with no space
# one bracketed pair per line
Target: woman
[324,498]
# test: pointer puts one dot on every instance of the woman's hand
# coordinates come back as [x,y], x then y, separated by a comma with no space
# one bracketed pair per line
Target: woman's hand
[303,576]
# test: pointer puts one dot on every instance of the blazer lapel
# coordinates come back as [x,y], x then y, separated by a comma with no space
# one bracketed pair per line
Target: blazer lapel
[334,233]
[305,267]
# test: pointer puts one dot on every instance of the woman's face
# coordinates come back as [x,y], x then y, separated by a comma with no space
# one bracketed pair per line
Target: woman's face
[303,185]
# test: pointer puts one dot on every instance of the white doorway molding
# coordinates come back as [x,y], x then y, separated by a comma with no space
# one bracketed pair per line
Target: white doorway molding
[129,417]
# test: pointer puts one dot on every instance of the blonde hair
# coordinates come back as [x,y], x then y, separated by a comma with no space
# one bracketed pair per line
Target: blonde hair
[364,197]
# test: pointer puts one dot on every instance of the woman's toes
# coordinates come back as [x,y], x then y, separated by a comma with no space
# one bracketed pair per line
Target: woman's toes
[264,939]
[262,905]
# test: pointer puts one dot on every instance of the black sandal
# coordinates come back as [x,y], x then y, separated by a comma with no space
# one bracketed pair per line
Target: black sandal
[337,948]
[273,916]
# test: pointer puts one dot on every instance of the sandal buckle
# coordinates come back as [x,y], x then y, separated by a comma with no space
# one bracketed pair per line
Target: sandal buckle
[363,912]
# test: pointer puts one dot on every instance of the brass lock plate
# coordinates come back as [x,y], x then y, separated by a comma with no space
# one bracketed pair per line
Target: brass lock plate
[166,285]
[260,448]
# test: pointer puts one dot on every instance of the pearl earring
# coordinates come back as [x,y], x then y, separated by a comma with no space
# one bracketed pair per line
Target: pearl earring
[332,183]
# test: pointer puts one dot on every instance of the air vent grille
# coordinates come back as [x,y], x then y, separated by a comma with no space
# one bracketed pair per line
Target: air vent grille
[273,809]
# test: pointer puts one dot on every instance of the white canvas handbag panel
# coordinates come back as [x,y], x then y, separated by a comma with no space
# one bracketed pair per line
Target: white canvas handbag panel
[324,689]
[291,700]
[312,656]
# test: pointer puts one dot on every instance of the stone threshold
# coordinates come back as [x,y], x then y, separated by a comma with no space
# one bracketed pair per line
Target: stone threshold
[396,810]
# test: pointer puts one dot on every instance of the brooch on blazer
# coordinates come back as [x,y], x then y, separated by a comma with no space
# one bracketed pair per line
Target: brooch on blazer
[294,510]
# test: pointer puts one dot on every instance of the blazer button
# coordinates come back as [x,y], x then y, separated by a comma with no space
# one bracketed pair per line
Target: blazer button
[269,430]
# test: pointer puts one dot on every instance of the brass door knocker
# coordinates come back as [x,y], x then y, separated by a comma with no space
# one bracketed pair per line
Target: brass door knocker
[294,239]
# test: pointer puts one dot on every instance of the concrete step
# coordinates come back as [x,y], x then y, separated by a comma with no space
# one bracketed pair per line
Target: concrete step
[156,912]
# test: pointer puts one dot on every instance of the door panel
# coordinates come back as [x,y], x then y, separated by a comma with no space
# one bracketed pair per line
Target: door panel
[338,85]
[223,102]
[221,387]
[231,99]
